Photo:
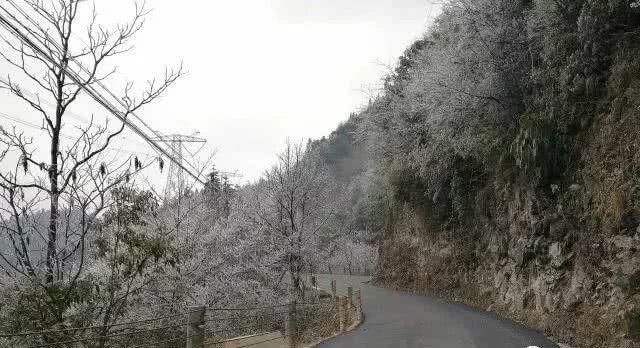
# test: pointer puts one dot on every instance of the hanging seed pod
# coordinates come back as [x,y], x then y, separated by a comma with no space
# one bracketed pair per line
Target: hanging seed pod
[136,163]
[127,177]
[25,163]
[74,177]
[103,169]
[161,163]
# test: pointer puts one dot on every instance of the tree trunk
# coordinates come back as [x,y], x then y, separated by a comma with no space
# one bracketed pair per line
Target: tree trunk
[53,213]
[294,271]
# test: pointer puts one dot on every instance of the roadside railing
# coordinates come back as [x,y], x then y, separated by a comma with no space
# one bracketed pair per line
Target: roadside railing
[342,312]
[322,314]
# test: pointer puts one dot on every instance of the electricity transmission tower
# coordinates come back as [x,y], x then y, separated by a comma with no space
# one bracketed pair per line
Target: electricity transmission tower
[175,184]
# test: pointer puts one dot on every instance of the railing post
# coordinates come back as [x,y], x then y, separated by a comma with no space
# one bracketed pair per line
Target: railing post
[195,330]
[342,320]
[358,295]
[314,286]
[333,289]
[292,327]
[349,298]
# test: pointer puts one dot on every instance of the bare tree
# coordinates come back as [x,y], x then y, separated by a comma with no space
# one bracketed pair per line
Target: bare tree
[67,61]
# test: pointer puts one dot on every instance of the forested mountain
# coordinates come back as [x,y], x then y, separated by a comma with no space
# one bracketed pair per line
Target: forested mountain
[498,166]
[345,156]
[504,153]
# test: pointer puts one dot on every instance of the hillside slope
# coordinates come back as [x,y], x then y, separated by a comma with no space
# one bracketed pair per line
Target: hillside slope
[507,147]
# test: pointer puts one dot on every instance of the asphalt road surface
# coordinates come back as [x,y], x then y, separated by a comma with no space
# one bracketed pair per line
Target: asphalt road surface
[401,319]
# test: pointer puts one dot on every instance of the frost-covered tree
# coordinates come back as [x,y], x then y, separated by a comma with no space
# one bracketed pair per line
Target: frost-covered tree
[69,181]
[451,105]
[291,207]
[126,259]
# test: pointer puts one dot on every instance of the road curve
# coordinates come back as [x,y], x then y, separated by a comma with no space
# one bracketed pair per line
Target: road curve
[401,319]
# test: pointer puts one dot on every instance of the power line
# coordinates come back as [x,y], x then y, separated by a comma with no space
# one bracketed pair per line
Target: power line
[35,126]
[69,112]
[22,122]
[83,68]
[86,87]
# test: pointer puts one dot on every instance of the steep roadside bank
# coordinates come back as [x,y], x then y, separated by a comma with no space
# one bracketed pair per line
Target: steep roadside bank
[503,165]
[507,145]
[536,280]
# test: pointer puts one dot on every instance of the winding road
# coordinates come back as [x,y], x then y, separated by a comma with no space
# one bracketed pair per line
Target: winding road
[402,319]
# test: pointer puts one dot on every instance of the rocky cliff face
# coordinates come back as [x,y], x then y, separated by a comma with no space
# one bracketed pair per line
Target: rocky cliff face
[541,280]
[565,261]
[508,147]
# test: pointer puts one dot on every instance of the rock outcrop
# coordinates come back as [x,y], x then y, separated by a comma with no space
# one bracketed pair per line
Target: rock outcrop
[566,262]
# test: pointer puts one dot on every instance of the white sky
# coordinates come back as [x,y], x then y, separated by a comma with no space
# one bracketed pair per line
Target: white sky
[260,71]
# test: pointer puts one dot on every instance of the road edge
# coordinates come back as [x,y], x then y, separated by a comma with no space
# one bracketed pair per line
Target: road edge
[351,328]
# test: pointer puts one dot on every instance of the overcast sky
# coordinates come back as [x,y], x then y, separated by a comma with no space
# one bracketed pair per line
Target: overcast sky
[260,71]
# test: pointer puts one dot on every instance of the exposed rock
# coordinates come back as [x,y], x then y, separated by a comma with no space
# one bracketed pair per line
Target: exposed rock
[559,229]
[630,221]
[617,107]
[555,253]
[539,280]
[633,324]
